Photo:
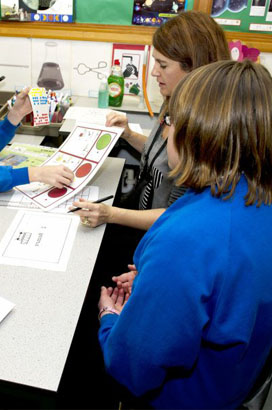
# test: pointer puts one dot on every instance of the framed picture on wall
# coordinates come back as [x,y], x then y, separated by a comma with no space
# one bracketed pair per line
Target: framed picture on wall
[156,12]
[131,58]
[53,11]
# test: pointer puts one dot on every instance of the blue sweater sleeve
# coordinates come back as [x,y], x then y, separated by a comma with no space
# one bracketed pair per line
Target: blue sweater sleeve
[10,177]
[7,132]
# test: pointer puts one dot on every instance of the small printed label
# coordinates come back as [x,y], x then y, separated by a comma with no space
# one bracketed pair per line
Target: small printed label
[228,22]
[260,27]
[114,89]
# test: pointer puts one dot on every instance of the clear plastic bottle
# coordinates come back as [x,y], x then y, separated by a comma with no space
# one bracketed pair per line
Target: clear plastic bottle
[103,94]
[116,85]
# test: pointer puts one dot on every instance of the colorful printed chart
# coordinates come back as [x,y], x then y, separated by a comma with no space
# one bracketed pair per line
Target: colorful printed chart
[39,101]
[20,155]
[84,151]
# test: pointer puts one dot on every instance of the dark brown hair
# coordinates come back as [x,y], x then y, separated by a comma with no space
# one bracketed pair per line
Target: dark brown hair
[222,115]
[193,39]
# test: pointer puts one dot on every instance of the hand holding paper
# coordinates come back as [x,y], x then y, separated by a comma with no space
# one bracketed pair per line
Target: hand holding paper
[58,175]
[22,107]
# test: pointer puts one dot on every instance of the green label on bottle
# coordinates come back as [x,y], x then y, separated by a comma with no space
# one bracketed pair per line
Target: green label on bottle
[115,89]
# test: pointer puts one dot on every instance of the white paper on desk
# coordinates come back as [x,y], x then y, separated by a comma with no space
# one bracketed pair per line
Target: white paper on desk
[87,114]
[16,200]
[41,241]
[5,307]
[83,151]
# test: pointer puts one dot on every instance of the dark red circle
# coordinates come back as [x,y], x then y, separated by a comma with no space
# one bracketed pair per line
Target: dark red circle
[57,192]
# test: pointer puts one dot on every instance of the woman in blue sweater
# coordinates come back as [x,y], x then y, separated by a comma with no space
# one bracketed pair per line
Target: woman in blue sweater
[196,330]
[10,177]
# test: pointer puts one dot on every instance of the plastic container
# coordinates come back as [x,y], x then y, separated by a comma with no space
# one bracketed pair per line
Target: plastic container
[103,94]
[116,85]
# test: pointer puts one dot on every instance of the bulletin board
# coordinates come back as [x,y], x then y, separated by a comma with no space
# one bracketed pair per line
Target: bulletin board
[112,22]
[113,12]
[109,11]
[243,15]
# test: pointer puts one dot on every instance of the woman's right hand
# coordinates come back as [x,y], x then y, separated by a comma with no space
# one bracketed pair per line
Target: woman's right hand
[115,119]
[93,214]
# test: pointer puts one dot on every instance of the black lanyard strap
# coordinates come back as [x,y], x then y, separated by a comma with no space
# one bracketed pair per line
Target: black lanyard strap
[147,169]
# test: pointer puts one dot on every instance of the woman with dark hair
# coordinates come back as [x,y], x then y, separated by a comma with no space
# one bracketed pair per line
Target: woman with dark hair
[187,41]
[195,331]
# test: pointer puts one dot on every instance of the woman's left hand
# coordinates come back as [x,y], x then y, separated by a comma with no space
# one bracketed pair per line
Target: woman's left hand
[113,298]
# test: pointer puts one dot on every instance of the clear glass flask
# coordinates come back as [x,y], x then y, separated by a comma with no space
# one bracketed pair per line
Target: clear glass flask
[50,76]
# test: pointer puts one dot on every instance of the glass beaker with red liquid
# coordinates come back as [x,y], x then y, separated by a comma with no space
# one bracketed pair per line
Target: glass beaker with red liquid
[50,76]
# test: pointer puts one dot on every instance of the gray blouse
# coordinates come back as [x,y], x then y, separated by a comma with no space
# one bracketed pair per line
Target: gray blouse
[164,190]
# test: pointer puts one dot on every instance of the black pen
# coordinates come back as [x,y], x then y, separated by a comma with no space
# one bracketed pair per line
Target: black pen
[94,202]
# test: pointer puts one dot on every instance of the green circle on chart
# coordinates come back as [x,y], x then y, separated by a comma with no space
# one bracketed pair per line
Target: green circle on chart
[103,141]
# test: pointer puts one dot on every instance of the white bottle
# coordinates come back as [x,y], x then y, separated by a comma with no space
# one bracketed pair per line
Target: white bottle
[103,94]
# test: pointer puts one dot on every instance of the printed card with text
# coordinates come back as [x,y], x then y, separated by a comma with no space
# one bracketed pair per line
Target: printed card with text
[39,101]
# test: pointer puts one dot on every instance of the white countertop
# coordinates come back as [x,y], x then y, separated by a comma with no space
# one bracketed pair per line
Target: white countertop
[36,336]
[130,104]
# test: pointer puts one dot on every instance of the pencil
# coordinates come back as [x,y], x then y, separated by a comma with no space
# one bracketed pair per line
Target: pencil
[144,74]
[94,202]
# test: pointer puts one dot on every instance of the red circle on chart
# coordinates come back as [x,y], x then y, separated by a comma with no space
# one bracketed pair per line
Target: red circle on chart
[83,170]
[57,192]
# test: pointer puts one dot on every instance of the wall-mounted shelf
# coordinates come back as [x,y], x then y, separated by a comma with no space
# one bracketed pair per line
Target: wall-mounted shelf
[78,31]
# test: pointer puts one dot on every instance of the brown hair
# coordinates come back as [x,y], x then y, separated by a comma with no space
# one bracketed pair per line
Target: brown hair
[193,39]
[222,115]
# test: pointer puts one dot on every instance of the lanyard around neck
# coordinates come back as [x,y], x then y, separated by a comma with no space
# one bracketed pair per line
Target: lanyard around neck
[156,136]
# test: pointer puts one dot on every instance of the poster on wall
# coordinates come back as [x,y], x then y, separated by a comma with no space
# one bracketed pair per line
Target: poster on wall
[131,59]
[235,6]
[243,15]
[53,11]
[156,12]
[269,13]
